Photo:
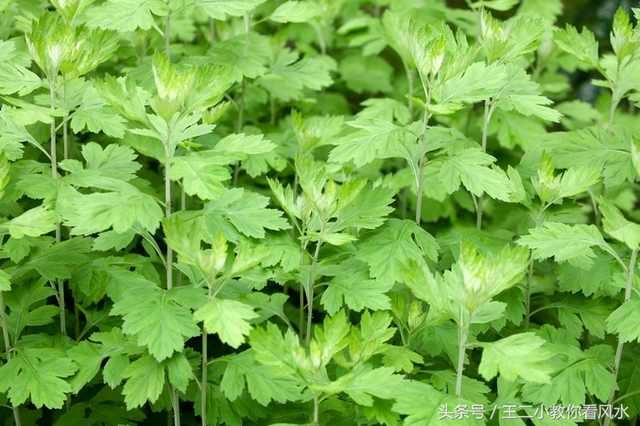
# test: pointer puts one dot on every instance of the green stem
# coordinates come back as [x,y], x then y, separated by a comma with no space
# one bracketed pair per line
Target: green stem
[527,300]
[167,30]
[488,110]
[167,205]
[464,334]
[421,160]
[312,279]
[7,346]
[203,380]
[54,173]
[627,297]
[316,409]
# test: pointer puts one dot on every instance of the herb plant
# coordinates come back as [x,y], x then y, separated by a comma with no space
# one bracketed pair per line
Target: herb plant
[331,212]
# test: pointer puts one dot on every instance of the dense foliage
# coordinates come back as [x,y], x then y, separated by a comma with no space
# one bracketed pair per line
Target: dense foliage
[331,212]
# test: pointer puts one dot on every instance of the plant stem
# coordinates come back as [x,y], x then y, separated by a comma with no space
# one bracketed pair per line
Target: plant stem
[464,333]
[627,297]
[527,300]
[312,279]
[421,159]
[316,409]
[243,91]
[203,380]
[167,30]
[485,125]
[7,347]
[54,173]
[167,209]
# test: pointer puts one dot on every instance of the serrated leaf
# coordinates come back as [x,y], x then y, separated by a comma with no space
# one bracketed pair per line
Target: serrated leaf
[157,321]
[202,173]
[265,384]
[625,321]
[471,168]
[145,382]
[227,318]
[519,355]
[221,9]
[565,243]
[247,212]
[393,244]
[617,226]
[581,45]
[32,223]
[295,11]
[376,139]
[119,210]
[37,374]
[126,15]
[477,83]
[15,78]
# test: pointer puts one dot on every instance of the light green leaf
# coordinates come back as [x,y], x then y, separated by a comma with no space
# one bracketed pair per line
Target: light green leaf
[616,225]
[38,374]
[477,83]
[126,15]
[32,223]
[15,78]
[228,318]
[5,282]
[221,9]
[202,173]
[295,11]
[247,212]
[393,245]
[358,290]
[519,355]
[581,45]
[265,384]
[145,382]
[500,5]
[156,319]
[625,321]
[523,95]
[565,243]
[471,168]
[375,139]
[244,145]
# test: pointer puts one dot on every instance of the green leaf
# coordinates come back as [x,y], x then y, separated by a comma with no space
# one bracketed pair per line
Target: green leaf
[145,382]
[5,282]
[476,83]
[366,74]
[375,139]
[422,404]
[221,9]
[393,245]
[242,145]
[247,212]
[470,167]
[157,320]
[295,11]
[126,15]
[519,355]
[500,5]
[265,384]
[565,243]
[523,95]
[202,173]
[120,210]
[358,290]
[593,147]
[32,223]
[15,78]
[617,226]
[366,210]
[625,322]
[227,318]
[38,374]
[581,45]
